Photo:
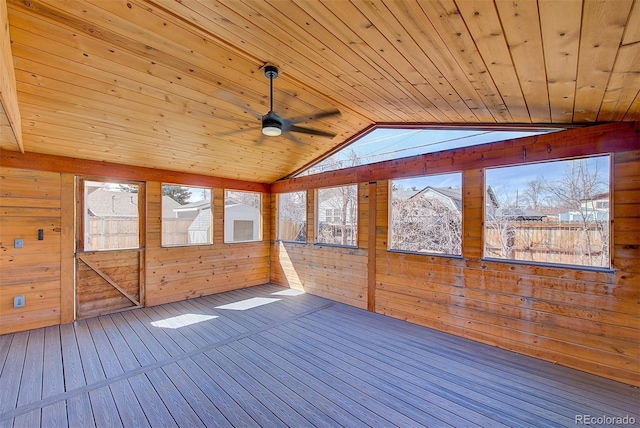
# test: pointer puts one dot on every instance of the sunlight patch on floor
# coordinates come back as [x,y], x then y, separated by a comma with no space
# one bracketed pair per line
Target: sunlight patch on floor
[288,292]
[182,320]
[243,305]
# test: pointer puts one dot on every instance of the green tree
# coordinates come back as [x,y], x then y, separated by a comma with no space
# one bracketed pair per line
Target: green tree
[178,193]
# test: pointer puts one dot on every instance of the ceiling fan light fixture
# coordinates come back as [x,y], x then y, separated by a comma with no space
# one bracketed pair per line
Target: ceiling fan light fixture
[271,124]
[271,130]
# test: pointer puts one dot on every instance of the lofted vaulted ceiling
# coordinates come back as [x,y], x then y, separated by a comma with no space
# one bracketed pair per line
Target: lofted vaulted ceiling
[177,84]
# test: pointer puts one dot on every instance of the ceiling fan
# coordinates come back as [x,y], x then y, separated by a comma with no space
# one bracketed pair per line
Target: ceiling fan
[273,125]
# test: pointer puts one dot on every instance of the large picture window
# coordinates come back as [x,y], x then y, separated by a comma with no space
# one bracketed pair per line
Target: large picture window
[337,213]
[426,214]
[111,216]
[186,215]
[292,216]
[554,212]
[242,216]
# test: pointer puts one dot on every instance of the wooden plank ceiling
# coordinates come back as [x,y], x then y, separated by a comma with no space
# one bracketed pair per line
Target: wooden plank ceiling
[178,84]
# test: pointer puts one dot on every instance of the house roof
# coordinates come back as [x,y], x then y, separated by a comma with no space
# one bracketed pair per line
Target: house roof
[194,206]
[108,203]
[520,213]
[180,85]
[168,206]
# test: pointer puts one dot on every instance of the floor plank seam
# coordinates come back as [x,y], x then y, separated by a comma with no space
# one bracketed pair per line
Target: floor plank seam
[18,411]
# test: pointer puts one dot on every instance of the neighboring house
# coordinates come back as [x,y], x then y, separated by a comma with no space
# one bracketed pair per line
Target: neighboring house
[593,209]
[449,196]
[519,214]
[168,206]
[199,231]
[193,209]
[332,210]
[112,203]
[510,213]
[241,223]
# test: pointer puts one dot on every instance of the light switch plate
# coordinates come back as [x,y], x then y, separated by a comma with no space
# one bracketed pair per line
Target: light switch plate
[18,302]
[18,243]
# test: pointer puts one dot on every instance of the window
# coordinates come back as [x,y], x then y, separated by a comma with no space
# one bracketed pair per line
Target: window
[384,144]
[243,230]
[292,216]
[333,215]
[186,215]
[111,216]
[338,215]
[555,212]
[426,214]
[242,216]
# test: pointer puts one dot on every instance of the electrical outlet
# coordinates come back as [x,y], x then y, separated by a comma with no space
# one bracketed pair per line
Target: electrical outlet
[18,243]
[18,302]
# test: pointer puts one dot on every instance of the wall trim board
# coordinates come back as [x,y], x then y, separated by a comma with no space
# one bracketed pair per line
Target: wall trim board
[9,107]
[45,162]
[596,139]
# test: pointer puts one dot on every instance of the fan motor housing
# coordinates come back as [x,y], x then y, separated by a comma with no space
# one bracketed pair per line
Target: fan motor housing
[271,124]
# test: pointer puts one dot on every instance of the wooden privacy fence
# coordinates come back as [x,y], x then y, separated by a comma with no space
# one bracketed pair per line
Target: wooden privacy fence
[107,233]
[567,242]
[175,231]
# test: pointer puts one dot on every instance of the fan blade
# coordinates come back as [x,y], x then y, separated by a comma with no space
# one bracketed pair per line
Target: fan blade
[316,116]
[238,131]
[232,99]
[290,136]
[303,130]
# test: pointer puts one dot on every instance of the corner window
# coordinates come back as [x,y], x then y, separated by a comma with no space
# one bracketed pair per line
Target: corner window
[338,216]
[292,216]
[111,216]
[554,212]
[186,215]
[242,216]
[426,214]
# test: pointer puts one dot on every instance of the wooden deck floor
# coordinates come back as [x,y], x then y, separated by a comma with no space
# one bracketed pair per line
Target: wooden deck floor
[264,356]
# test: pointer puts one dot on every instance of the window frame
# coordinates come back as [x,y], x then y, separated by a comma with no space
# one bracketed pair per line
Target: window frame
[162,218]
[226,223]
[279,211]
[390,218]
[354,216]
[556,264]
[82,214]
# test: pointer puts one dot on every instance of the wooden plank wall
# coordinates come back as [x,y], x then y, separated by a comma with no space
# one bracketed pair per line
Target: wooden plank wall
[337,273]
[30,200]
[585,319]
[179,273]
[578,318]
[43,271]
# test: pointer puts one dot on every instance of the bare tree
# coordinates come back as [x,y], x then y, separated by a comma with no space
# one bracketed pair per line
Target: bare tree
[424,223]
[581,182]
[534,191]
[251,199]
[581,234]
[340,211]
[292,216]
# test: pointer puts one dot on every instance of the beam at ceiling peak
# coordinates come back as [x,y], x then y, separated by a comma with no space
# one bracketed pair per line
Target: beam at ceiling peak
[10,120]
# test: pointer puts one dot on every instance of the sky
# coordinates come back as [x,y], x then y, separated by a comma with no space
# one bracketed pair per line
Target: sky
[385,144]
